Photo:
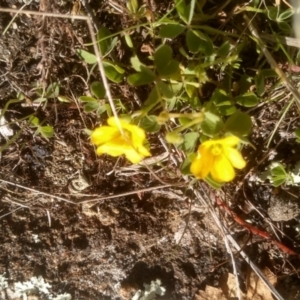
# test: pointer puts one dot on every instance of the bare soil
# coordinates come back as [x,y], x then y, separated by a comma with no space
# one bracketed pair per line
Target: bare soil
[57,219]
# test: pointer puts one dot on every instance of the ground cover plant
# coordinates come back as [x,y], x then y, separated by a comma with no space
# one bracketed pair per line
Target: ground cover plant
[149,150]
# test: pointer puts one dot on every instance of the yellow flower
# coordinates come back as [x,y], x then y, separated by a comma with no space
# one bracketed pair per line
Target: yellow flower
[218,158]
[109,140]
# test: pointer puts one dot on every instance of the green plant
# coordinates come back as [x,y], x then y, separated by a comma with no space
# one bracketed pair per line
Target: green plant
[278,174]
[45,130]
[98,102]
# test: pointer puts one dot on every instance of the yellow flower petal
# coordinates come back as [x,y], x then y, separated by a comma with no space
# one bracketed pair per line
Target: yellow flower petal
[235,158]
[133,156]
[197,169]
[143,151]
[229,141]
[207,157]
[104,134]
[222,170]
[137,134]
[130,142]
[113,149]
[112,121]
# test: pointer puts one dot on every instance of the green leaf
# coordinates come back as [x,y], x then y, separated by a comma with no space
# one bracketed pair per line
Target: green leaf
[245,83]
[87,99]
[166,90]
[191,10]
[89,58]
[278,175]
[163,55]
[171,31]
[142,11]
[52,90]
[183,10]
[195,102]
[193,41]
[104,40]
[223,102]
[98,89]
[201,74]
[297,133]
[128,40]
[227,110]
[224,49]
[91,106]
[277,181]
[238,124]
[285,15]
[285,27]
[46,131]
[212,124]
[220,97]
[108,110]
[113,72]
[136,64]
[163,61]
[149,124]
[174,138]
[101,109]
[260,80]
[279,171]
[214,184]
[153,97]
[190,141]
[132,6]
[63,99]
[40,100]
[171,103]
[146,76]
[247,100]
[186,164]
[273,13]
[199,42]
[34,121]
[190,90]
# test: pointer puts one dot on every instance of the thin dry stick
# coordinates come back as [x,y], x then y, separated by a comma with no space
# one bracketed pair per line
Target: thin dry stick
[234,243]
[272,62]
[255,269]
[88,200]
[7,214]
[238,289]
[127,193]
[36,191]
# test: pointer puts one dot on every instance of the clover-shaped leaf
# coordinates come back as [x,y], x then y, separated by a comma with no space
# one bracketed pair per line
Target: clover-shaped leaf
[98,89]
[88,57]
[144,75]
[104,40]
[164,63]
[113,72]
[223,102]
[247,100]
[238,124]
[171,31]
[149,124]
[212,124]
[199,42]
